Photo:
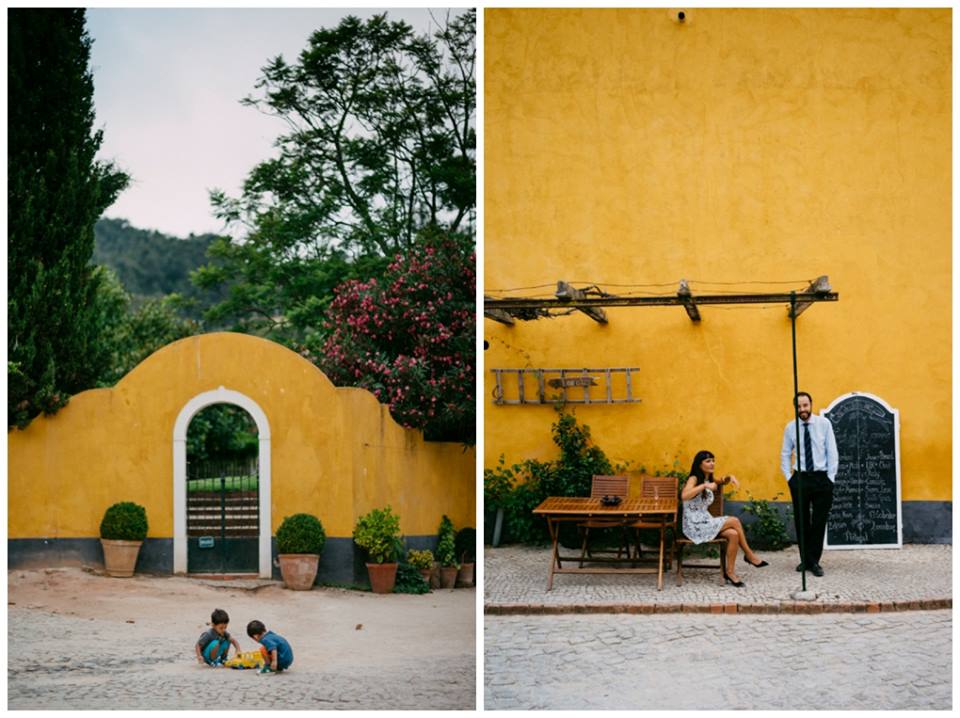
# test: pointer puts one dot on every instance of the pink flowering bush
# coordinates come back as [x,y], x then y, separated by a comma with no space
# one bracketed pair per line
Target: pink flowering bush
[408,337]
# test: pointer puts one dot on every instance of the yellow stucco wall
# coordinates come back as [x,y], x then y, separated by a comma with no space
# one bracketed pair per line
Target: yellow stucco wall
[336,452]
[623,147]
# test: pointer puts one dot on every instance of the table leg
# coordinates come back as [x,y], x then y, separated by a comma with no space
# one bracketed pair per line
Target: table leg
[660,564]
[554,530]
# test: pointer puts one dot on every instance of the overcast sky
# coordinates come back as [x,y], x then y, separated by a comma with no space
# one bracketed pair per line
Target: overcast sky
[167,89]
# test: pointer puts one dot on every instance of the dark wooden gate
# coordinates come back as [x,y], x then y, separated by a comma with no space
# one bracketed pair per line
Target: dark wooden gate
[223,517]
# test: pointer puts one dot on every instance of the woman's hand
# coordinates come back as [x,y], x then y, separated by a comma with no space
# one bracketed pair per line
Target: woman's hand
[732,479]
[712,485]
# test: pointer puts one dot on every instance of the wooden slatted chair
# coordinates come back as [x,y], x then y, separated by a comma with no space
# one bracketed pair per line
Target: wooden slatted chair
[652,487]
[604,486]
[681,541]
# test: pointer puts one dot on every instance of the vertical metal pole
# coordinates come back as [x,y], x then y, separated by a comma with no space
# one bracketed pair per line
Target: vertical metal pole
[796,419]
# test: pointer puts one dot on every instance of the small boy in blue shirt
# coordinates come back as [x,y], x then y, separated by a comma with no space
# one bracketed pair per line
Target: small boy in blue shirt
[275,648]
[213,645]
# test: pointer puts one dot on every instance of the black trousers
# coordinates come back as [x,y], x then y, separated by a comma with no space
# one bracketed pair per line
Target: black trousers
[817,494]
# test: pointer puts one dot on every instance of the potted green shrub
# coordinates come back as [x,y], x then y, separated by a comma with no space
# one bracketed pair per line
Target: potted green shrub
[422,561]
[466,550]
[378,532]
[122,531]
[300,541]
[447,554]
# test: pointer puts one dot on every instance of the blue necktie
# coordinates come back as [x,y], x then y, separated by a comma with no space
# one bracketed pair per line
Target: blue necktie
[807,448]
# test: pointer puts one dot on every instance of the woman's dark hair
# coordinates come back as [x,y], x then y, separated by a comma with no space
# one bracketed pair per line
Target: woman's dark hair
[219,616]
[255,628]
[695,470]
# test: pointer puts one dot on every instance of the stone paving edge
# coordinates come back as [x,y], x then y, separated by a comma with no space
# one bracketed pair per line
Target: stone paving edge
[803,607]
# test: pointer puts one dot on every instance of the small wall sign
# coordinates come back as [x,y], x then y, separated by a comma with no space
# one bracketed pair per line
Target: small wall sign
[206,542]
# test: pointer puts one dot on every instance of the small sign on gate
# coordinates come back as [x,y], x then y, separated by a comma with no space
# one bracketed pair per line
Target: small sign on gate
[206,542]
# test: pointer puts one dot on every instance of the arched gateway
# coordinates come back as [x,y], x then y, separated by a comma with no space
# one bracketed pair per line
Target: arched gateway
[201,401]
[333,452]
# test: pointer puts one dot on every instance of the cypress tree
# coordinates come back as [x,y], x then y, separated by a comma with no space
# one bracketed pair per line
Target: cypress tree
[56,193]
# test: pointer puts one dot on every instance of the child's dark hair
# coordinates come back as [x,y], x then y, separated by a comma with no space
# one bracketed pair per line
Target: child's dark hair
[255,628]
[219,616]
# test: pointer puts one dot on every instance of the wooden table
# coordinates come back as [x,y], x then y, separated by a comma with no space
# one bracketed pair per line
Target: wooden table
[557,509]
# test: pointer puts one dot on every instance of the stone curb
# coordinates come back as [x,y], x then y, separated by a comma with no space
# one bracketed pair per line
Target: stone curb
[531,609]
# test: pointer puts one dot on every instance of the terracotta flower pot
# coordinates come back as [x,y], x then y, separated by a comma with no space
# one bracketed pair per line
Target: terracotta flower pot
[426,573]
[299,570]
[435,575]
[465,576]
[120,557]
[382,576]
[448,576]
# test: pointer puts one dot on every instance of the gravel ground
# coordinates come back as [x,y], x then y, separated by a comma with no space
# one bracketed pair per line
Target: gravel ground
[77,640]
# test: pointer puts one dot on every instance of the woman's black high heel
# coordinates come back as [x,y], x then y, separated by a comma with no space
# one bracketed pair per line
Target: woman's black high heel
[756,565]
[738,584]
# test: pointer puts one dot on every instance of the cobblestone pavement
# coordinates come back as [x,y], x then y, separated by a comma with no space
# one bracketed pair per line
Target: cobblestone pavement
[518,576]
[61,662]
[696,662]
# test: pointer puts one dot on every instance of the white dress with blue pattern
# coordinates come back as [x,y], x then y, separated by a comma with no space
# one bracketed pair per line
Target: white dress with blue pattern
[698,525]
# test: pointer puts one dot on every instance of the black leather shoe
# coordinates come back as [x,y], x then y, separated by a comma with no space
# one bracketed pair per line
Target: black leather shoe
[799,566]
[756,565]
[816,570]
[738,584]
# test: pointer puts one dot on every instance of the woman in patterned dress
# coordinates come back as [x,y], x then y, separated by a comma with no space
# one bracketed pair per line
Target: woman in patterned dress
[700,526]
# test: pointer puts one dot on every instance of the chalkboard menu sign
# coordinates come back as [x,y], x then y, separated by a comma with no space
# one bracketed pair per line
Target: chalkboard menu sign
[866,495]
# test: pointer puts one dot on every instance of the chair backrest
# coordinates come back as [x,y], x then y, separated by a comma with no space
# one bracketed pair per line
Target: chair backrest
[652,487]
[716,508]
[608,486]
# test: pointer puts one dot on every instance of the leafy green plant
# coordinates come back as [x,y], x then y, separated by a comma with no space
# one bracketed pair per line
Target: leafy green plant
[409,580]
[521,487]
[379,533]
[124,521]
[465,543]
[767,531]
[498,483]
[446,543]
[420,559]
[579,461]
[447,551]
[446,527]
[301,533]
[520,523]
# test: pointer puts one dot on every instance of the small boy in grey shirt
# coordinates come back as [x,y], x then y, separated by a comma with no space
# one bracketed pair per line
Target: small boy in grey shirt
[213,644]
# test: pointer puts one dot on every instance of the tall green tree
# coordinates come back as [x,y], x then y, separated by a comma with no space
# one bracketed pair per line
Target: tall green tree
[381,144]
[133,334]
[56,192]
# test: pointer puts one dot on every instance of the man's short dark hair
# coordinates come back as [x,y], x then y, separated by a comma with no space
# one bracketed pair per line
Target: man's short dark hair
[796,399]
[219,616]
[255,628]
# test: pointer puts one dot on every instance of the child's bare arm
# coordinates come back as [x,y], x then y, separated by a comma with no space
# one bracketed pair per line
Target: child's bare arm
[236,646]
[273,659]
[199,653]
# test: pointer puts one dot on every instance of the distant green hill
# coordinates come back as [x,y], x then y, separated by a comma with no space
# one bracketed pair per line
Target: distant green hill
[153,264]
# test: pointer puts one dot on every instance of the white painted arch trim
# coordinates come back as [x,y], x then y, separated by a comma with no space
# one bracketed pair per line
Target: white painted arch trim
[201,401]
